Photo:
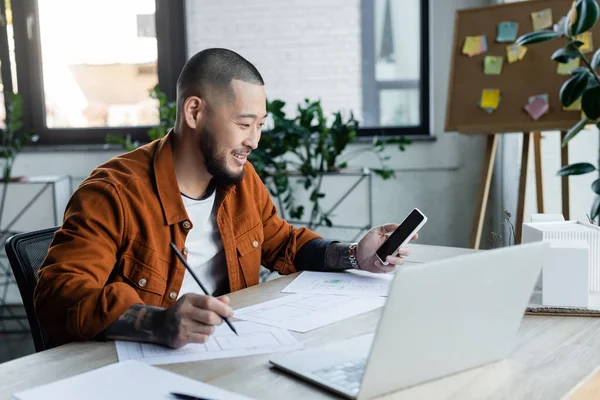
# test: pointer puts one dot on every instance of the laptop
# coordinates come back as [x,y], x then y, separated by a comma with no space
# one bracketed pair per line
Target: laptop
[440,318]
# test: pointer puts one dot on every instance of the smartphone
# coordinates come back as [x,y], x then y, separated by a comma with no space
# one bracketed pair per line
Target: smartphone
[403,233]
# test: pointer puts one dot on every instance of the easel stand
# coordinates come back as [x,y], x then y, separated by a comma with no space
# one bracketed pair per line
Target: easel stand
[486,180]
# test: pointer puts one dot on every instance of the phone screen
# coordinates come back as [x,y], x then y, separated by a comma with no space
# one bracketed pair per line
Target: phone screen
[400,234]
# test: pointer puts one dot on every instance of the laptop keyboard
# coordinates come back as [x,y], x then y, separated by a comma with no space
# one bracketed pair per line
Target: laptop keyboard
[347,375]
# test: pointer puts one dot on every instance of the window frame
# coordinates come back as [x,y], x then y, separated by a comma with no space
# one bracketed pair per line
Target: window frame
[172,55]
[371,87]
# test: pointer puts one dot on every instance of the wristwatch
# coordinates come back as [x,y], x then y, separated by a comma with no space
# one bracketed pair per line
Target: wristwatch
[352,255]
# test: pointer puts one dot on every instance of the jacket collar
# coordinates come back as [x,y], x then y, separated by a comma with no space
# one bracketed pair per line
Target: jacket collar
[166,182]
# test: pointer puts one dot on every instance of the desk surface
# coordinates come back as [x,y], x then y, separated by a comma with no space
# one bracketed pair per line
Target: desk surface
[551,356]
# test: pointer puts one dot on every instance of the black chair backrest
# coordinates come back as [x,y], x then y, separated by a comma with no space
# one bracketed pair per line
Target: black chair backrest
[26,253]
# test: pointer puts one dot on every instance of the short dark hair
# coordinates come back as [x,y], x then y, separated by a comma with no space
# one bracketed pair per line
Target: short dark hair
[210,72]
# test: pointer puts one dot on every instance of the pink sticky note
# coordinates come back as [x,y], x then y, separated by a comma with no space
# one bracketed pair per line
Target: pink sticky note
[536,108]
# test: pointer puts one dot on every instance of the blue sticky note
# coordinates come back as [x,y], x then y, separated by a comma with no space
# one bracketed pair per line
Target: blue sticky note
[507,32]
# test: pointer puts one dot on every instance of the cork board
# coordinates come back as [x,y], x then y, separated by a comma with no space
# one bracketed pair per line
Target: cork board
[534,74]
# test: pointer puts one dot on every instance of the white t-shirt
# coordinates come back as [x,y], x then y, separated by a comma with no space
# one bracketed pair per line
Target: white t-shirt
[205,249]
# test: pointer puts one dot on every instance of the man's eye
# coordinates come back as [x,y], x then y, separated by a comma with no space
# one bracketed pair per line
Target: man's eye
[245,125]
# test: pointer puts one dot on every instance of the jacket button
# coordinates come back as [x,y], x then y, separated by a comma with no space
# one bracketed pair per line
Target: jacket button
[255,243]
[142,282]
[185,251]
[186,225]
[173,295]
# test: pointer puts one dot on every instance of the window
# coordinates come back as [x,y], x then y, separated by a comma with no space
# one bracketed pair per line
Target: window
[395,76]
[86,68]
[368,57]
[7,60]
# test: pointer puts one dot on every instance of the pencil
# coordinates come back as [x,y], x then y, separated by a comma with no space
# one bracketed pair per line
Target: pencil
[187,266]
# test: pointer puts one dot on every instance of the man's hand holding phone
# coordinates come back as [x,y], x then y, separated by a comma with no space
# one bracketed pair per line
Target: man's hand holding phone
[381,249]
[373,239]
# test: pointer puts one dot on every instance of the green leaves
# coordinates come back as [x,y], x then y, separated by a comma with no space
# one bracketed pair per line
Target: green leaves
[590,102]
[576,169]
[567,53]
[595,208]
[537,37]
[596,59]
[596,186]
[575,129]
[574,87]
[167,112]
[586,16]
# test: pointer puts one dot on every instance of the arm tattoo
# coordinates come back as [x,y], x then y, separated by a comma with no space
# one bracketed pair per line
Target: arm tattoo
[337,257]
[146,324]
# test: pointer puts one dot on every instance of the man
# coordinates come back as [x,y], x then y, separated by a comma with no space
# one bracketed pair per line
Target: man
[110,272]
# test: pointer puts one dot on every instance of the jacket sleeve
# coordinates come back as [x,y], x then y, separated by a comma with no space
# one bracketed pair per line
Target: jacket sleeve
[281,240]
[72,299]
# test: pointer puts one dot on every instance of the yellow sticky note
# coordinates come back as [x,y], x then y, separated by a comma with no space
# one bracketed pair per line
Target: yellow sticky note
[471,45]
[586,38]
[490,98]
[492,65]
[515,53]
[512,53]
[576,106]
[541,19]
[565,69]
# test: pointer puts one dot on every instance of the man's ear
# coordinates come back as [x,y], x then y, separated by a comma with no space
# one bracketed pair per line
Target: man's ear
[192,110]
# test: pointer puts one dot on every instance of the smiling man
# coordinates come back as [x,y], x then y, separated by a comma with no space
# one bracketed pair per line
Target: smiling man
[110,272]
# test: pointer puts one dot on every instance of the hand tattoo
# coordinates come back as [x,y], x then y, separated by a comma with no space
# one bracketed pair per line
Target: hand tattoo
[146,324]
[337,257]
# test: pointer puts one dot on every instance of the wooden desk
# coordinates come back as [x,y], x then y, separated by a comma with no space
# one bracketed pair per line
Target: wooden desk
[552,355]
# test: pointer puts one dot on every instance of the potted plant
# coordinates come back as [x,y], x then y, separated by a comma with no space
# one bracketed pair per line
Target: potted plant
[311,145]
[584,83]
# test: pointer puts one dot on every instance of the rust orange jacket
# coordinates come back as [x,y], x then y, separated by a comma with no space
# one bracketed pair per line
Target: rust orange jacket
[112,250]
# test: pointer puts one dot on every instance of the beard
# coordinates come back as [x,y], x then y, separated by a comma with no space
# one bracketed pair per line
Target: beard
[215,161]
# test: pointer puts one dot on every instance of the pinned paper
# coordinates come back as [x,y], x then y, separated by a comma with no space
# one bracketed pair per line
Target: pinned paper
[490,99]
[586,38]
[492,65]
[575,106]
[541,19]
[507,32]
[515,53]
[543,97]
[537,106]
[565,69]
[474,45]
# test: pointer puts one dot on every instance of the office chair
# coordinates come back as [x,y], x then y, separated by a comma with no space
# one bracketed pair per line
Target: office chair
[26,252]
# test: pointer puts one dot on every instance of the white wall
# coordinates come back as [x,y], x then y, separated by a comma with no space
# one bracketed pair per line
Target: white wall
[439,177]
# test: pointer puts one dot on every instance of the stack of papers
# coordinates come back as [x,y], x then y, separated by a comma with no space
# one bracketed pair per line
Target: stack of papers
[127,380]
[223,343]
[305,312]
[321,298]
[352,283]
